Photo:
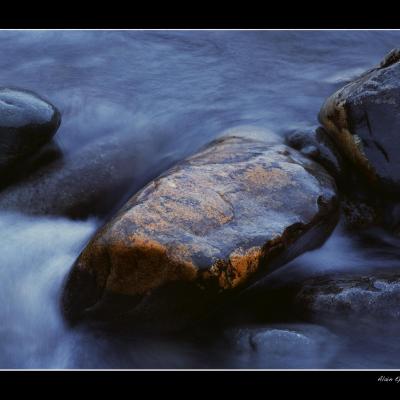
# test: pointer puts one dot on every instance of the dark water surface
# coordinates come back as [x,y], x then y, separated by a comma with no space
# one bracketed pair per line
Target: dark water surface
[171,92]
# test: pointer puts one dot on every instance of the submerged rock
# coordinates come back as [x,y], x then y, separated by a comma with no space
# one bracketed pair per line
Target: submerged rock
[205,228]
[282,346]
[27,122]
[90,181]
[363,119]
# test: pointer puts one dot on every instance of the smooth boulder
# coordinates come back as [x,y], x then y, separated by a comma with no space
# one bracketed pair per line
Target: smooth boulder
[363,119]
[27,122]
[205,228]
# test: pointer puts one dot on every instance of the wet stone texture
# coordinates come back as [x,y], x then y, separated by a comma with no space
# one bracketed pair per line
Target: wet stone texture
[363,119]
[373,296]
[208,226]
[330,297]
[27,122]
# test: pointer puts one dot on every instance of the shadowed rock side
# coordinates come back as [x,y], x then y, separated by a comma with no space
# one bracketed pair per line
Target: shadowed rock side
[316,144]
[363,119]
[27,122]
[361,207]
[90,181]
[204,228]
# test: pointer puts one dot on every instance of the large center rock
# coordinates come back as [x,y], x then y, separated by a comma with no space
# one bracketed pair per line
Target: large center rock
[363,119]
[208,226]
[27,122]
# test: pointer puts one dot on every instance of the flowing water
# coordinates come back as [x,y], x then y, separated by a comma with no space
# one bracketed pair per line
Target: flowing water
[171,92]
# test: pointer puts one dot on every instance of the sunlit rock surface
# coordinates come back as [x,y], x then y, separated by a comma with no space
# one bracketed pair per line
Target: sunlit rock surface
[208,226]
[27,122]
[363,119]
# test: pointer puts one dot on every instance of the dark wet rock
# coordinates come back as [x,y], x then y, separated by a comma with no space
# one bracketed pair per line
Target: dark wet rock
[91,181]
[375,295]
[363,119]
[391,216]
[282,345]
[47,154]
[360,208]
[27,122]
[359,215]
[201,231]
[371,295]
[316,144]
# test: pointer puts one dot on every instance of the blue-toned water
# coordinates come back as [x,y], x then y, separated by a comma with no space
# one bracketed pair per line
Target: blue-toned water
[170,92]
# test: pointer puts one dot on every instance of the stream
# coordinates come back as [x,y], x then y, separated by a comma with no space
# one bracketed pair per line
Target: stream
[171,92]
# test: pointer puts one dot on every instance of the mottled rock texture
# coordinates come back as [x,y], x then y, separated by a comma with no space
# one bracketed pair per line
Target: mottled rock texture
[205,228]
[375,295]
[332,296]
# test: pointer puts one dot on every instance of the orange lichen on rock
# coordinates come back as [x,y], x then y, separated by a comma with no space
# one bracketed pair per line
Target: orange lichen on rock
[207,221]
[363,120]
[334,118]
[259,175]
[145,264]
[240,265]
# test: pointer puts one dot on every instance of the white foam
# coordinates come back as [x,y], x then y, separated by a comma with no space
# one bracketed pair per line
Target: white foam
[35,255]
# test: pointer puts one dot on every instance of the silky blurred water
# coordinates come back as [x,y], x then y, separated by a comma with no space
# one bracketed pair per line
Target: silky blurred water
[170,92]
